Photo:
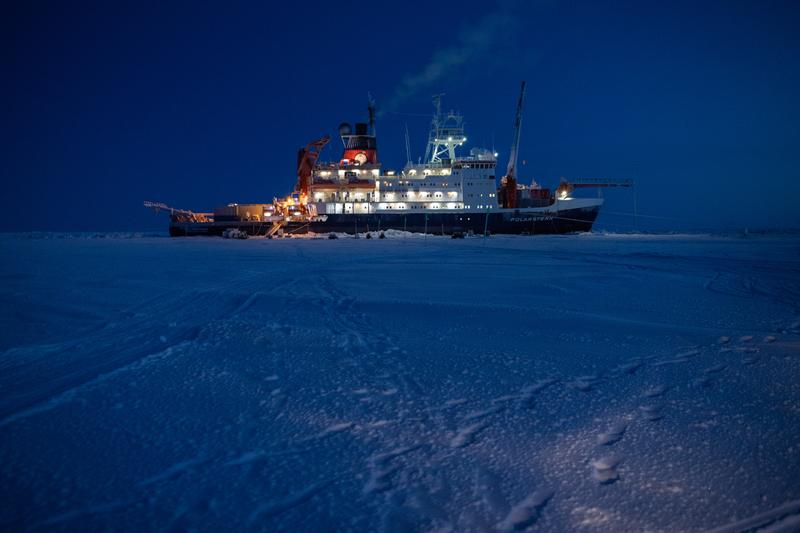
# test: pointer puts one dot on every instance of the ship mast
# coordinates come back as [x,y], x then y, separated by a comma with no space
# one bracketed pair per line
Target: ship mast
[447,133]
[408,147]
[371,111]
[437,105]
[509,181]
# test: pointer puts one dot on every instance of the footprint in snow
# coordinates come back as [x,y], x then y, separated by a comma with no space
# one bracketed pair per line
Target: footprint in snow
[724,340]
[683,357]
[466,436]
[527,512]
[381,469]
[457,401]
[652,413]
[583,383]
[525,400]
[605,469]
[631,367]
[613,434]
[329,431]
[769,338]
[716,369]
[539,386]
[656,391]
[746,349]
[704,382]
[750,360]
[745,338]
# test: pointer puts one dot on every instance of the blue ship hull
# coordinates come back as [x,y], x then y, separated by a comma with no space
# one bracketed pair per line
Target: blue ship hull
[517,222]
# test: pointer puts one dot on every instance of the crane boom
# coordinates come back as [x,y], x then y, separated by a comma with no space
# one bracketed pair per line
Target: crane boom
[511,171]
[509,181]
[179,215]
[566,187]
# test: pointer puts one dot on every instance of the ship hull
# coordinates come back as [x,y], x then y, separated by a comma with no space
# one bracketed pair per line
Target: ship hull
[508,222]
[505,221]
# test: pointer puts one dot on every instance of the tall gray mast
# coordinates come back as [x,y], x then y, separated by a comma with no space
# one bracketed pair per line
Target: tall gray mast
[511,171]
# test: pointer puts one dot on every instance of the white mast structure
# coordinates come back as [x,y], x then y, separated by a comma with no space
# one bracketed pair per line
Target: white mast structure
[446,134]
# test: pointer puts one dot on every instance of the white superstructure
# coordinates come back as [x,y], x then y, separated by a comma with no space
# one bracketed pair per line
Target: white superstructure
[444,182]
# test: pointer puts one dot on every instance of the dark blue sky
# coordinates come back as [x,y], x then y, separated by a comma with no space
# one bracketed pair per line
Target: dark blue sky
[202,103]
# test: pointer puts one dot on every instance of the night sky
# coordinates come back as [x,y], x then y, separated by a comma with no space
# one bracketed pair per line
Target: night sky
[203,103]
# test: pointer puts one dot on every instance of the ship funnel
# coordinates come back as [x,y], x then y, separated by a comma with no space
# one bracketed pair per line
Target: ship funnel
[359,146]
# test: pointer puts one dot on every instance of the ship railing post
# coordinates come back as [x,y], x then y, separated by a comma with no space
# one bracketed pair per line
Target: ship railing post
[426,226]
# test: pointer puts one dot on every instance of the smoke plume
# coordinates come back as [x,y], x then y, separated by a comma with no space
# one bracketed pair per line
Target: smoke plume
[478,46]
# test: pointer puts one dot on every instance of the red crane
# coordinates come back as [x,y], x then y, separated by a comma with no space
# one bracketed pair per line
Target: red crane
[306,158]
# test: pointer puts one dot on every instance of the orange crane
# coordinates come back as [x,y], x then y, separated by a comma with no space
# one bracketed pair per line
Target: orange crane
[306,158]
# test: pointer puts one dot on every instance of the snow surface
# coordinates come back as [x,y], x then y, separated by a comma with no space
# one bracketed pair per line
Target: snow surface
[586,382]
